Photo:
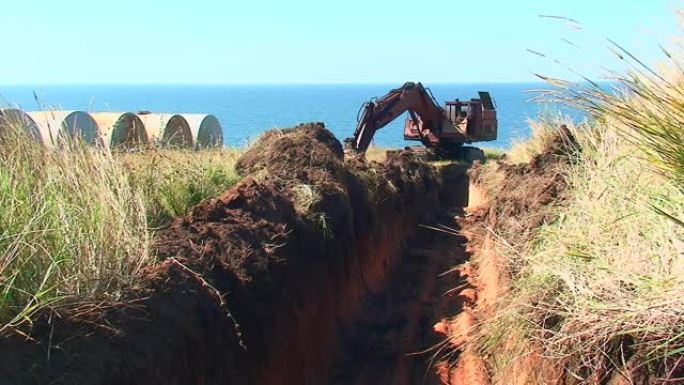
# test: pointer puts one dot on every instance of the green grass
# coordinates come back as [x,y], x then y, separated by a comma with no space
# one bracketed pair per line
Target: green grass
[76,223]
[172,181]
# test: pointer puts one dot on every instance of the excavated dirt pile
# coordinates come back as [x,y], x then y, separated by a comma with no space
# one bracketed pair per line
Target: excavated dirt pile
[253,286]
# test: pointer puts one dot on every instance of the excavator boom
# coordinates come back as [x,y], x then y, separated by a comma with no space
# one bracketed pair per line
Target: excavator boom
[376,114]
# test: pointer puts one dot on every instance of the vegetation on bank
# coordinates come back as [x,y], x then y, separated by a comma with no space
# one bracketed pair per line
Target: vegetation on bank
[76,224]
[602,285]
[172,181]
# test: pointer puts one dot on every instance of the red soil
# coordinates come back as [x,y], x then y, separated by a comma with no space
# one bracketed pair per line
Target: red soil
[480,287]
[523,199]
[393,341]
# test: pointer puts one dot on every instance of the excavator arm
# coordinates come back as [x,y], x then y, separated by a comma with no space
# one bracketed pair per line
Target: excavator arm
[411,97]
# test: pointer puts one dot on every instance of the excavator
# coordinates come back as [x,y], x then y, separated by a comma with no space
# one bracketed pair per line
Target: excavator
[443,131]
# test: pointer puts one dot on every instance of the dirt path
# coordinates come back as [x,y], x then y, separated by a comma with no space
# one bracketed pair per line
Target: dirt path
[391,342]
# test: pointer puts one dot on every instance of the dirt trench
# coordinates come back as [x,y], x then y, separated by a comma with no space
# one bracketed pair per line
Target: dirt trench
[312,270]
[393,341]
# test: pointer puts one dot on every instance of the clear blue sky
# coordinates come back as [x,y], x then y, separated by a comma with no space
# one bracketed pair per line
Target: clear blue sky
[317,41]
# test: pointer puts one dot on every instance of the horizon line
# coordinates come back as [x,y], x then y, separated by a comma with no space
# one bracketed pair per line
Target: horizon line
[262,83]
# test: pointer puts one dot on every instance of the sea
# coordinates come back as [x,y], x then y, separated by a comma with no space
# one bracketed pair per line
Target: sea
[245,111]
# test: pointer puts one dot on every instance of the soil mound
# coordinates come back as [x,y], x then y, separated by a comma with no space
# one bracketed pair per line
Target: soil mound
[267,236]
[265,240]
[289,152]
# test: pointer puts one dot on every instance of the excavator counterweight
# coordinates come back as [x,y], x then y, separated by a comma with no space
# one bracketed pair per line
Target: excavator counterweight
[443,130]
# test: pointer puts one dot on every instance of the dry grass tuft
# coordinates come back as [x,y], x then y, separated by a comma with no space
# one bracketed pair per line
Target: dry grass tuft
[607,275]
[71,227]
[543,130]
[377,154]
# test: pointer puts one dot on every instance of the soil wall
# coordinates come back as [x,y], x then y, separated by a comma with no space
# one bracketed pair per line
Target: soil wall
[252,287]
[508,204]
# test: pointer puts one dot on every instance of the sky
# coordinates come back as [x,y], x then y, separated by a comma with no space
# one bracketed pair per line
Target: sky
[319,41]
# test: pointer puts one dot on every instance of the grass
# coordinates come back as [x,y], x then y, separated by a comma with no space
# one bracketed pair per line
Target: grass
[602,286]
[377,154]
[76,223]
[172,181]
[542,130]
[645,105]
[493,154]
[609,269]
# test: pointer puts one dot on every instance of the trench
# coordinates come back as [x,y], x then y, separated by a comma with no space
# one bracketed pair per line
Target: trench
[367,321]
[393,341]
[354,306]
[373,324]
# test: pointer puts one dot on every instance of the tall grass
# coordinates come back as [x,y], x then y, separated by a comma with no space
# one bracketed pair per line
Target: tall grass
[607,275]
[76,223]
[646,104]
[71,226]
[543,130]
[603,285]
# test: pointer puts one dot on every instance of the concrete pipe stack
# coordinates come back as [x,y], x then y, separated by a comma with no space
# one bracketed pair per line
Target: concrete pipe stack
[118,130]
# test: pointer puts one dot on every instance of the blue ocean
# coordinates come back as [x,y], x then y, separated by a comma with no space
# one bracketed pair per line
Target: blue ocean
[245,111]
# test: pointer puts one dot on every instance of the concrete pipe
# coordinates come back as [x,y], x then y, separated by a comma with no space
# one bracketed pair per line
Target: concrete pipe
[57,125]
[121,130]
[206,130]
[18,119]
[167,130]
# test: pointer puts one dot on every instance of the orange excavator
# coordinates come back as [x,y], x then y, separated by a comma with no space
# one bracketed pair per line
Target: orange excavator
[441,130]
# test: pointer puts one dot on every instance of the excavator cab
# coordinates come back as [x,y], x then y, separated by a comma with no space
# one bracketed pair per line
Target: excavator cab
[475,119]
[458,116]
